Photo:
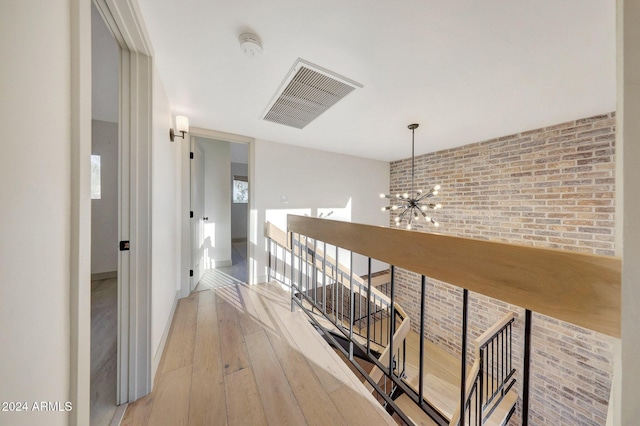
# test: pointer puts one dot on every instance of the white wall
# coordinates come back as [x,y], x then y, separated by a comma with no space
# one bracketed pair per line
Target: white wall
[35,216]
[217,202]
[312,181]
[104,211]
[239,211]
[165,204]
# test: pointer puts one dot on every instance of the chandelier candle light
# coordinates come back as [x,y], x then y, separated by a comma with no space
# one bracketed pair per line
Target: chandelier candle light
[413,206]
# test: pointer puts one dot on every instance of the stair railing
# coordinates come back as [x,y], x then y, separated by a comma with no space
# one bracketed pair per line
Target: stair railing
[492,373]
[318,284]
[579,288]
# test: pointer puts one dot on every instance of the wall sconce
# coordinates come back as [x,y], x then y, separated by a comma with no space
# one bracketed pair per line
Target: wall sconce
[182,126]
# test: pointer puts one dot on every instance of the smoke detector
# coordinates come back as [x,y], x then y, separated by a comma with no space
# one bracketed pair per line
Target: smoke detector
[251,45]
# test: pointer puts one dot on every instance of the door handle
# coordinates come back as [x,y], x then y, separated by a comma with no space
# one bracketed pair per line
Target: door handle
[205,218]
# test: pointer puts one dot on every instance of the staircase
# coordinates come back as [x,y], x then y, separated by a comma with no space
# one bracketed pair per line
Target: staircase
[489,395]
[346,308]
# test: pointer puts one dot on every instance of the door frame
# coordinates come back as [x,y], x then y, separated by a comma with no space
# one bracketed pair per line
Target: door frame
[123,18]
[198,155]
[252,226]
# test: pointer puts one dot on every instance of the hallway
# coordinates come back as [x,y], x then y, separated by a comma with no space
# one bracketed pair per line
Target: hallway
[237,355]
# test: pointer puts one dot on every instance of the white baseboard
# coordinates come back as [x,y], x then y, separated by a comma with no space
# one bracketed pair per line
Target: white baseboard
[165,334]
[261,279]
[119,414]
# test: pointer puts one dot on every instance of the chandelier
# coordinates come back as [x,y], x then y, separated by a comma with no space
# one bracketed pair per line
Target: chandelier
[413,206]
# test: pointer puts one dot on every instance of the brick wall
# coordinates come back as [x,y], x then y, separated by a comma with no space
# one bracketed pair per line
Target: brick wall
[551,187]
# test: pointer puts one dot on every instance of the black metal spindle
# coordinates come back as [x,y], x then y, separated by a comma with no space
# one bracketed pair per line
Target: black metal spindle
[392,323]
[369,309]
[291,277]
[463,364]
[337,284]
[479,389]
[525,373]
[502,357]
[353,305]
[324,278]
[493,366]
[423,295]
[314,281]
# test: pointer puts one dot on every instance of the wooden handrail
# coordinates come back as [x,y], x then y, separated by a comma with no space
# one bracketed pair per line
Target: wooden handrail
[582,289]
[492,331]
[398,337]
[284,240]
[276,234]
[471,379]
[380,279]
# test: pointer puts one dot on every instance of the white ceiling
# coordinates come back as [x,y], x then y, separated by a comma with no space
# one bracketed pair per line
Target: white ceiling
[466,70]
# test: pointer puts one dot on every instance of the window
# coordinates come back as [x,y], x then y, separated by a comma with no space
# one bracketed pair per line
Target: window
[96,182]
[240,189]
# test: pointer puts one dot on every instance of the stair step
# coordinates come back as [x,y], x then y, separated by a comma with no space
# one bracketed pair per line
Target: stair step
[415,413]
[500,415]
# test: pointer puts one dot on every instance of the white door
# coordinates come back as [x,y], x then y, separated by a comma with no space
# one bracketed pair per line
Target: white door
[198,219]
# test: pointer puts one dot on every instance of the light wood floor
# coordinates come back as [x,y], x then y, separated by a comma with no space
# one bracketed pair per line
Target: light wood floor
[237,355]
[104,322]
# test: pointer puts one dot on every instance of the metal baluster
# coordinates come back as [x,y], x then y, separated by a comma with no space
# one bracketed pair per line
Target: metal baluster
[392,324]
[353,305]
[479,388]
[324,278]
[369,310]
[423,295]
[314,281]
[463,368]
[501,367]
[375,316]
[493,362]
[527,361]
[337,284]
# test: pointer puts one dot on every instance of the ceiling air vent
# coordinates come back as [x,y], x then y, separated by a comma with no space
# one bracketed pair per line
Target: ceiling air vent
[307,92]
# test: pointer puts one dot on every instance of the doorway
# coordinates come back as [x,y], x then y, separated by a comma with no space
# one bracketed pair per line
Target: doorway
[220,207]
[105,157]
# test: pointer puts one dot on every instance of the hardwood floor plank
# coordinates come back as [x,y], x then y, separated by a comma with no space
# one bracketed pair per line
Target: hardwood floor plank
[301,335]
[237,379]
[356,409]
[138,412]
[234,355]
[179,350]
[249,319]
[244,406]
[208,404]
[280,404]
[171,400]
[325,363]
[316,405]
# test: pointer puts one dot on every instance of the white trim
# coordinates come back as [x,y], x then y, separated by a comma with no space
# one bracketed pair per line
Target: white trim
[123,18]
[119,415]
[222,136]
[80,213]
[261,279]
[252,226]
[165,334]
